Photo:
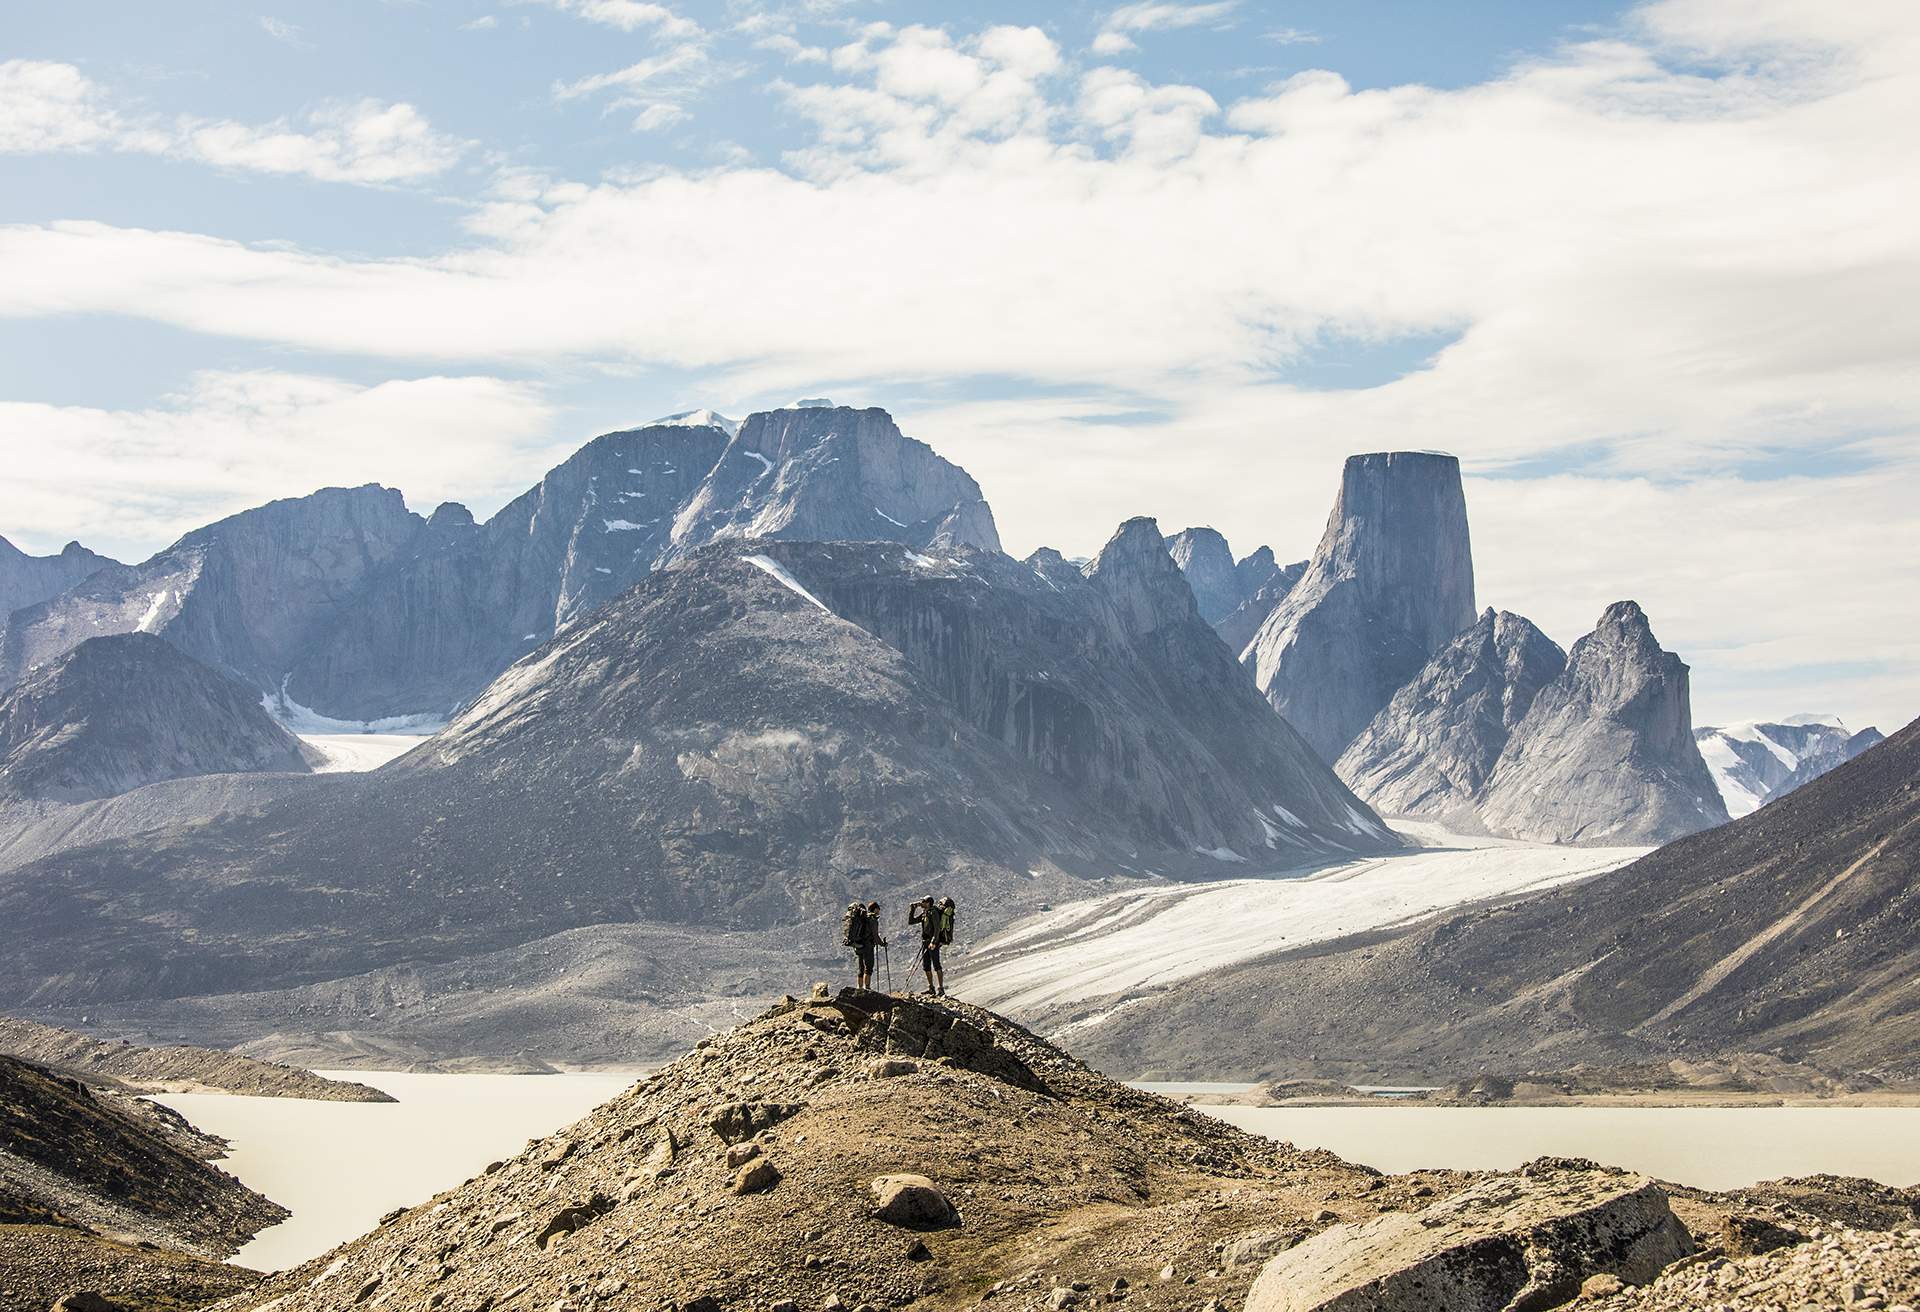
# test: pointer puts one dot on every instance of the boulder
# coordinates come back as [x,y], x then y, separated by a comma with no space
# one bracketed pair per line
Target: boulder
[1515,1243]
[1259,1246]
[756,1177]
[88,1300]
[887,1068]
[736,1122]
[912,1201]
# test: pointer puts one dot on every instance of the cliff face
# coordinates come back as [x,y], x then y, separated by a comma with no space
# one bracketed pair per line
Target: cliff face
[1431,750]
[119,712]
[29,580]
[1606,754]
[1390,582]
[251,594]
[1235,597]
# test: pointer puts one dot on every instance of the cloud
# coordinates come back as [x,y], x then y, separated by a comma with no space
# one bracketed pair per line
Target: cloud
[1157,15]
[53,107]
[630,16]
[1669,275]
[130,480]
[284,31]
[484,23]
[1292,36]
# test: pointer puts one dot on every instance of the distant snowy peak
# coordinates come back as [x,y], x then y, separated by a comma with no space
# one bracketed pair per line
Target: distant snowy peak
[699,419]
[1755,761]
[812,403]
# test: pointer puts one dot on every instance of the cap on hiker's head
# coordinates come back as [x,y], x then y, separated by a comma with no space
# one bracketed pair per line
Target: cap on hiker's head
[873,906]
[946,901]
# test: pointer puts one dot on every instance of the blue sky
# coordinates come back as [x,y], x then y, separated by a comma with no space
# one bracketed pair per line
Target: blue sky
[1648,270]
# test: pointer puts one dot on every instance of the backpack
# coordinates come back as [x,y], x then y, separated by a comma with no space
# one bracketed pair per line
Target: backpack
[946,924]
[853,925]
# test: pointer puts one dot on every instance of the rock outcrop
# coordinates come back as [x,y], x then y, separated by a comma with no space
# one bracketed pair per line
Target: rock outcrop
[1265,585]
[1755,762]
[1389,584]
[119,712]
[1528,1240]
[29,580]
[737,743]
[1431,750]
[937,1182]
[1606,753]
[117,1166]
[1793,931]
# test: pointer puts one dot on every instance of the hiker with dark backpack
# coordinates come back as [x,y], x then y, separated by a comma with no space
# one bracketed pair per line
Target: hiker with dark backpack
[860,930]
[936,929]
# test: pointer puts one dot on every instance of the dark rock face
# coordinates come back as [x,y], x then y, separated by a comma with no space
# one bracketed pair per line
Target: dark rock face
[250,594]
[1606,754]
[716,749]
[1434,746]
[1389,584]
[119,712]
[29,580]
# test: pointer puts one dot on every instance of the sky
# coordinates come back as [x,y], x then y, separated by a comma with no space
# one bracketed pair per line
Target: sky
[1649,270]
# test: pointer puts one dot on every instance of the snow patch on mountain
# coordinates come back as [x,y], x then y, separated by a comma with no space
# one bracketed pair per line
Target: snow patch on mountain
[784,579]
[698,419]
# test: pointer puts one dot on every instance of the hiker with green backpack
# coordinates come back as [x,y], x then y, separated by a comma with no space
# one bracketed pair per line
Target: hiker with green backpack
[860,930]
[936,929]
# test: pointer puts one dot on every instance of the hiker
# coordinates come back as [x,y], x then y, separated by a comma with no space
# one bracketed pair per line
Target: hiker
[936,929]
[860,930]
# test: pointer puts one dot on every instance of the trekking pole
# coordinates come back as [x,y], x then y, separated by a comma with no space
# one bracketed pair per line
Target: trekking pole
[888,954]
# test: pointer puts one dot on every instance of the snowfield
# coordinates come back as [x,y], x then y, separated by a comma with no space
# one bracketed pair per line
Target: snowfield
[1127,943]
[353,752]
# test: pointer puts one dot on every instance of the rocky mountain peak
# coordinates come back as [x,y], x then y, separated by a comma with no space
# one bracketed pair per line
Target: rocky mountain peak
[27,580]
[1606,754]
[450,515]
[1431,749]
[1389,583]
[1141,579]
[1204,557]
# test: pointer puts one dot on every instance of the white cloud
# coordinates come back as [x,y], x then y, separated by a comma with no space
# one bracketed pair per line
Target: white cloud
[1113,43]
[1158,15]
[1292,36]
[280,30]
[484,23]
[630,16]
[48,107]
[1681,262]
[366,142]
[131,480]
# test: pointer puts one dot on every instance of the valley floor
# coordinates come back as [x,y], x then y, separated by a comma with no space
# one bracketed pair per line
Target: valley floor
[1108,949]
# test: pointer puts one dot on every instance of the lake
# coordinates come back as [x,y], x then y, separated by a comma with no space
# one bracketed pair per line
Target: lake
[340,1166]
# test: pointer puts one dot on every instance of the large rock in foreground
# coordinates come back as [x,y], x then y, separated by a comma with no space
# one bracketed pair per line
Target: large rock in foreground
[1515,1243]
[1389,584]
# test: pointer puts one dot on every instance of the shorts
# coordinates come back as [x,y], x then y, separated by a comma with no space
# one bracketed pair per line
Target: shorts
[863,956]
[930,956]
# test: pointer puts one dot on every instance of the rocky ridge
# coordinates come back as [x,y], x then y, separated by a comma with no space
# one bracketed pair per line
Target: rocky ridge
[28,580]
[1792,932]
[119,712]
[170,1068]
[1389,584]
[1606,754]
